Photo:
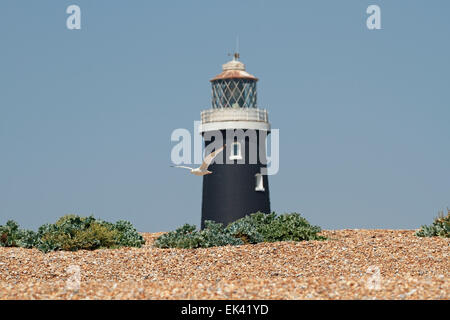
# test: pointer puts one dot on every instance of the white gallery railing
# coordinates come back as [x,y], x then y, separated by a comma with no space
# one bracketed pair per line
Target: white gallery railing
[232,114]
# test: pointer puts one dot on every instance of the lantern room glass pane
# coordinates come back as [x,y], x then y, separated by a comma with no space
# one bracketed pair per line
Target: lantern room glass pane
[233,93]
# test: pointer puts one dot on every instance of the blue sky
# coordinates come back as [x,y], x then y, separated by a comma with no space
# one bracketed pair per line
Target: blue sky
[86,115]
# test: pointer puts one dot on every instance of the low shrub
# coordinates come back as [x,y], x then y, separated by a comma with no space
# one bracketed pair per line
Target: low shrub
[440,227]
[128,235]
[254,228]
[73,233]
[12,236]
[260,227]
[188,237]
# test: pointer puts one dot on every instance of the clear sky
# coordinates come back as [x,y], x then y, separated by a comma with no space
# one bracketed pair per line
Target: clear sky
[86,115]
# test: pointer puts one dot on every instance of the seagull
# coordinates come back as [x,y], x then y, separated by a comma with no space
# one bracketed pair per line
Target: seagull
[203,169]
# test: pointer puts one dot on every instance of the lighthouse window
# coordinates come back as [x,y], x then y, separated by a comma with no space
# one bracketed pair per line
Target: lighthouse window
[236,151]
[259,182]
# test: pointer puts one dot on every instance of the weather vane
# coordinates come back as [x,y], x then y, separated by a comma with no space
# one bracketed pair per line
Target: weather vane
[236,55]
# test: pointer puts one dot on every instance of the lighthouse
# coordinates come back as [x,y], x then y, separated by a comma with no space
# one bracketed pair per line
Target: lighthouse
[238,185]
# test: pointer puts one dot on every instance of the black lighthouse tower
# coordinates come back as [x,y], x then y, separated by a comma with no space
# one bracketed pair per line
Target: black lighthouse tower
[238,185]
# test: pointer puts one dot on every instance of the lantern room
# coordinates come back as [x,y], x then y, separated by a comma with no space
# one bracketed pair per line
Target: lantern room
[234,87]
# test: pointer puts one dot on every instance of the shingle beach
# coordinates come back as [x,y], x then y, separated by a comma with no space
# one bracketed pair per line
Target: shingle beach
[351,264]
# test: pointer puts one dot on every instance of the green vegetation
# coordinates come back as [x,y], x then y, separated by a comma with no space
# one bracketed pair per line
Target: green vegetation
[440,227]
[72,233]
[12,236]
[255,228]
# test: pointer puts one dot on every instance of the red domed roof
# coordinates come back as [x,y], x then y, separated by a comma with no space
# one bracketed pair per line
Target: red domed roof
[234,69]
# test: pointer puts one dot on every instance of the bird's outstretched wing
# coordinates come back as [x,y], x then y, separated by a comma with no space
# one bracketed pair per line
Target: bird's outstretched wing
[184,167]
[210,157]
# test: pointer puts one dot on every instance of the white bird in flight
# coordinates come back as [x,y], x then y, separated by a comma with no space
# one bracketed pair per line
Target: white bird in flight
[203,169]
